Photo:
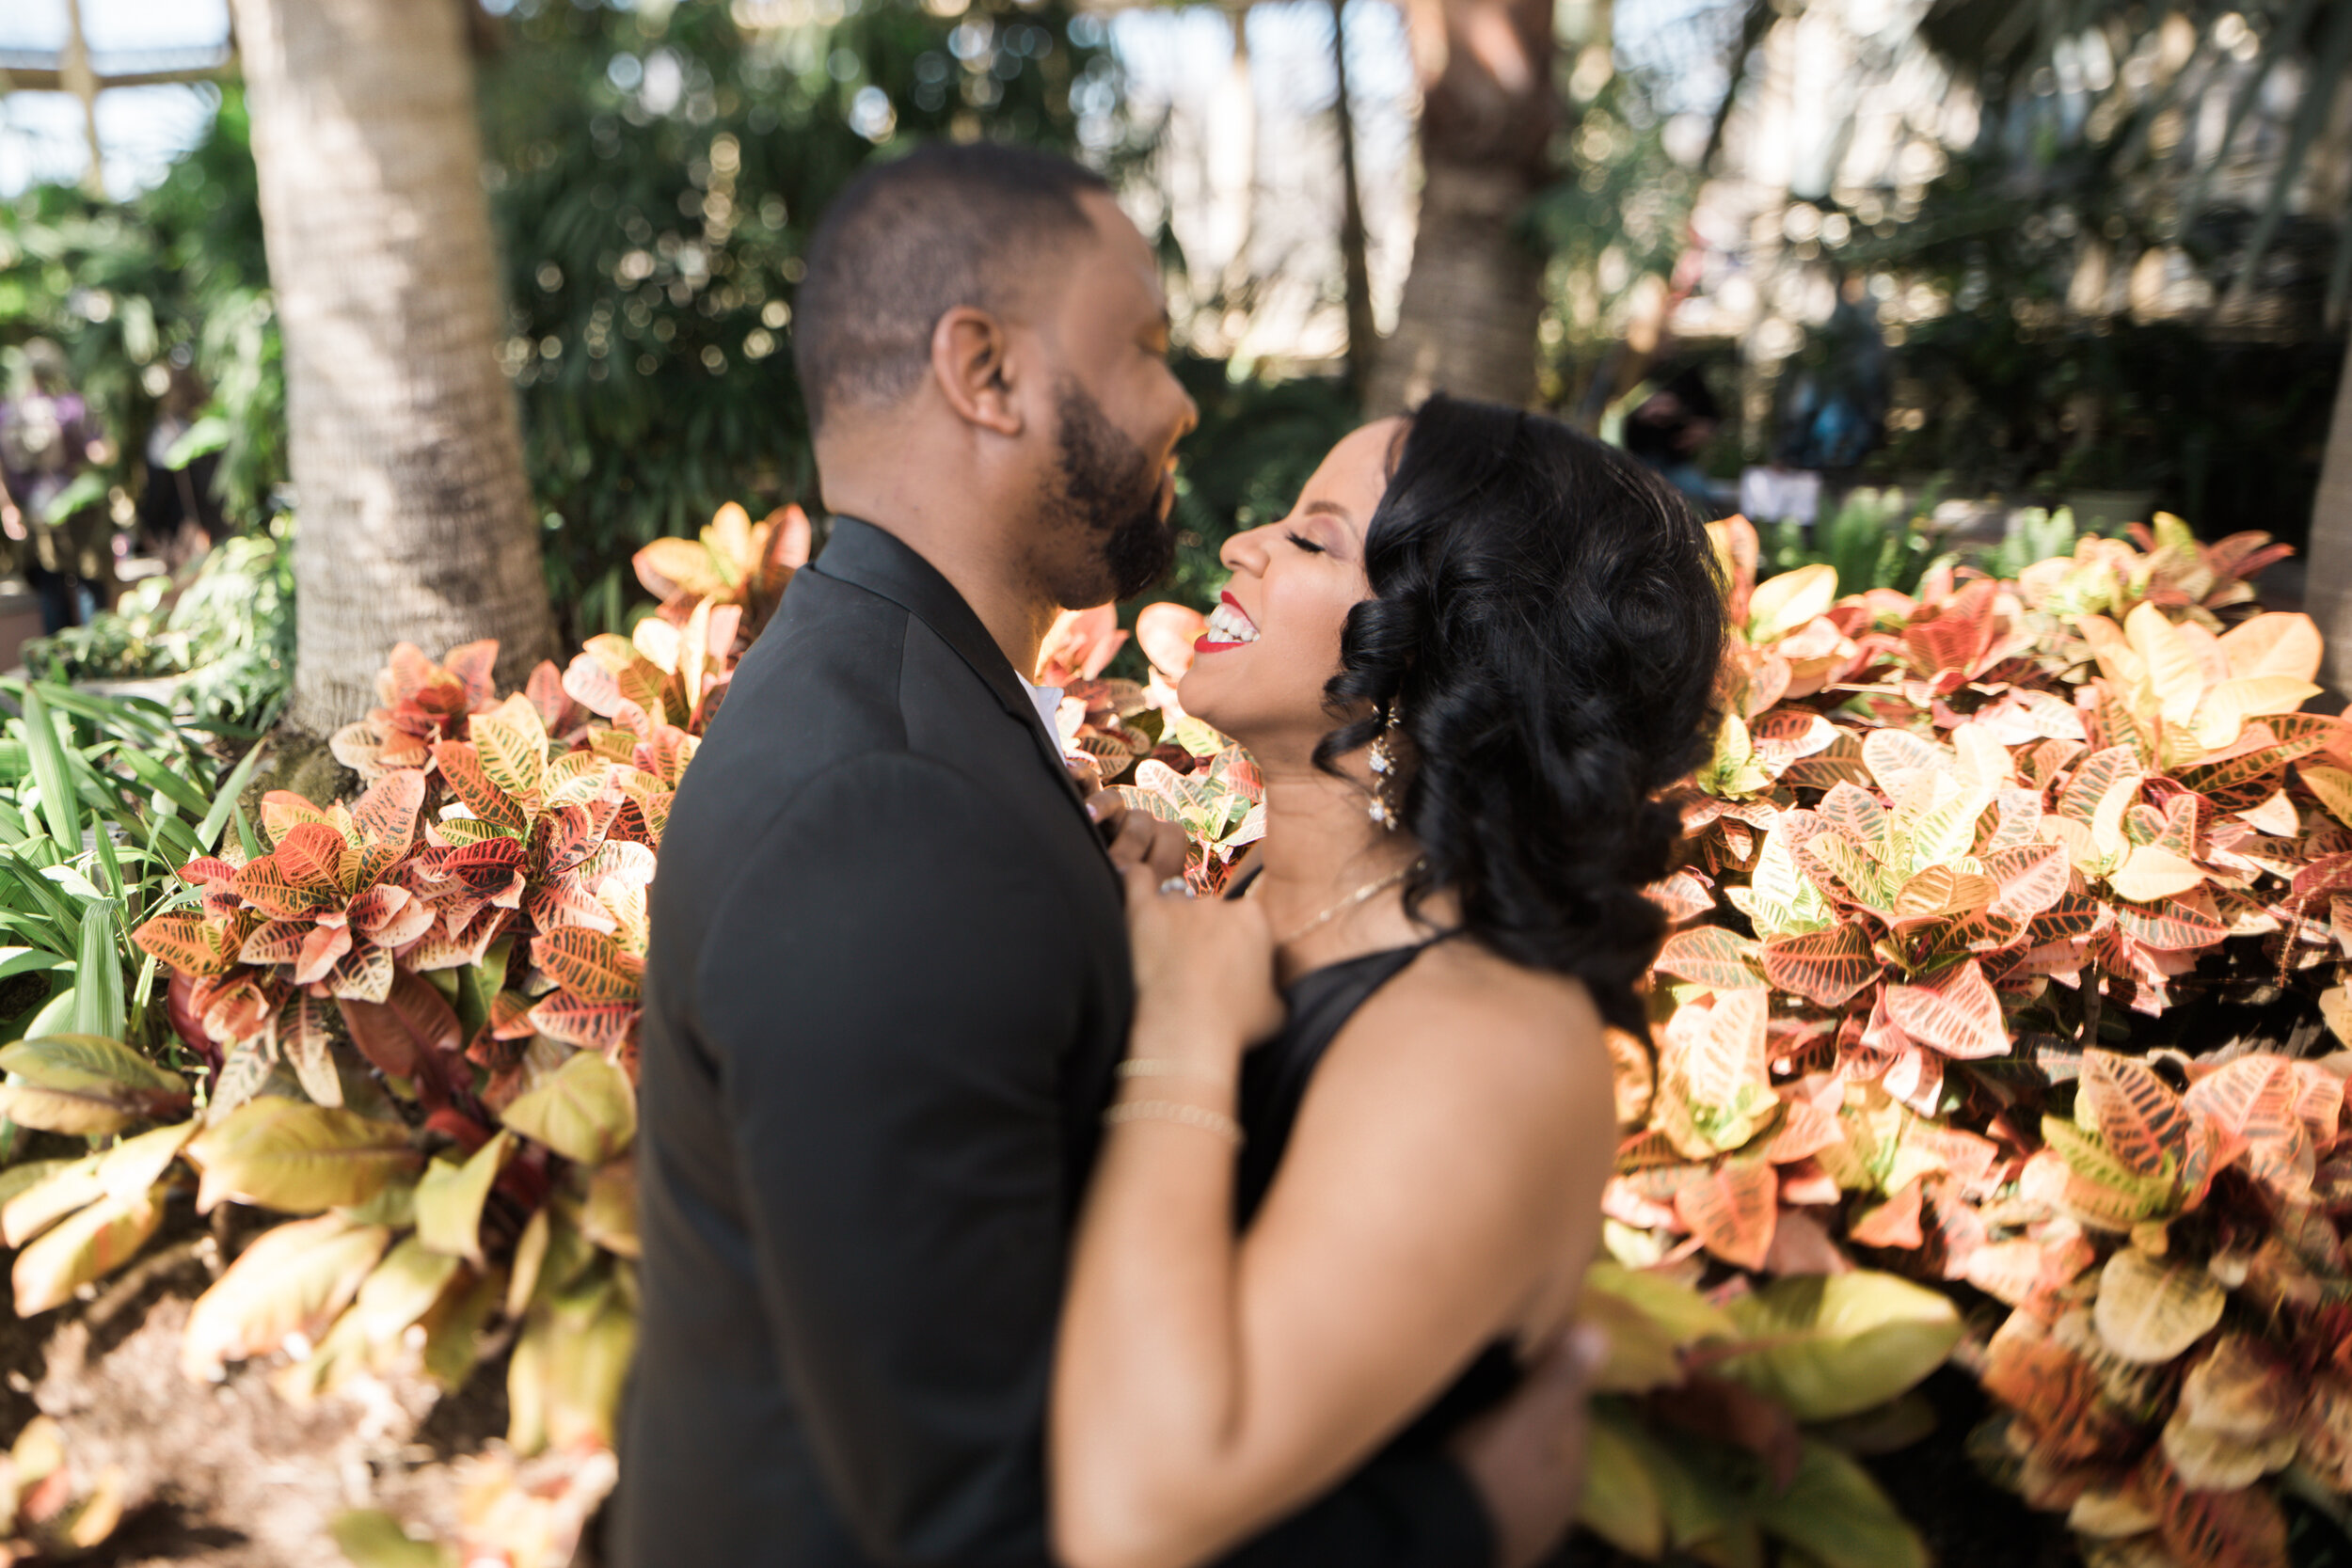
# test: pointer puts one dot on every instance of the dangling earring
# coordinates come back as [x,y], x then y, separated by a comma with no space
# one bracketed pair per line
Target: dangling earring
[1382,758]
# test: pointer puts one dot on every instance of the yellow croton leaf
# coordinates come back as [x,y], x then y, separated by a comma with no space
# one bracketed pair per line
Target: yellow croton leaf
[2174,674]
[2152,873]
[2226,706]
[1781,605]
[2278,643]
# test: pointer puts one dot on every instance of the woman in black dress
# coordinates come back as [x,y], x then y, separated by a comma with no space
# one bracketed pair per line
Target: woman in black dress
[1353,1174]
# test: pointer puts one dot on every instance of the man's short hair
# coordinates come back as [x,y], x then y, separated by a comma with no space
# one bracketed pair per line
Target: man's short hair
[912,239]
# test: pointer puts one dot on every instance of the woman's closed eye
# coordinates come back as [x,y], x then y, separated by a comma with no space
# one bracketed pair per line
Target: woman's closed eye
[1303,542]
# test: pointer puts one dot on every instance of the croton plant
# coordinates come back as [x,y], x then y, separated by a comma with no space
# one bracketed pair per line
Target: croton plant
[2008,960]
[2000,1023]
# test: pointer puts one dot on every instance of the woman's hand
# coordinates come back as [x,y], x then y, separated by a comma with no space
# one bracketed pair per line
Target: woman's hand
[1205,974]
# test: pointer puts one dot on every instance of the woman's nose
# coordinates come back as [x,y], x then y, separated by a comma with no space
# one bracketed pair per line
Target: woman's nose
[1243,552]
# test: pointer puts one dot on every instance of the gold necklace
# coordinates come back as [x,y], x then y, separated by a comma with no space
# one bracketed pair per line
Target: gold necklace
[1367,891]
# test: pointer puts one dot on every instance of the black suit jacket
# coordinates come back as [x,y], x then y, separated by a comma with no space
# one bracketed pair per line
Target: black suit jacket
[887,988]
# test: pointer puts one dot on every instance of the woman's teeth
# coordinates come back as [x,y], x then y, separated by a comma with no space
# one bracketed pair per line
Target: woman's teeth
[1227,624]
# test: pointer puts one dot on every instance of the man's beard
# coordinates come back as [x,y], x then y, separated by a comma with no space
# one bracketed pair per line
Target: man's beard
[1108,486]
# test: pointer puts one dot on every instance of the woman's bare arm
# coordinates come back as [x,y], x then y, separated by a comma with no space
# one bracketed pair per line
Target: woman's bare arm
[1447,1161]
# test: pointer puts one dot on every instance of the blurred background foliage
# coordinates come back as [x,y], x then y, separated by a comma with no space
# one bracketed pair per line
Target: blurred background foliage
[655,174]
[654,168]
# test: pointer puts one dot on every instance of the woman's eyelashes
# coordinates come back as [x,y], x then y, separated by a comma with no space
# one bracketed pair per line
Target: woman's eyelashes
[1304,542]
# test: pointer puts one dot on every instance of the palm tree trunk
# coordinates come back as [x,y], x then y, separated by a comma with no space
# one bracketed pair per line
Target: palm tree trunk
[2328,596]
[1466,323]
[1355,261]
[406,450]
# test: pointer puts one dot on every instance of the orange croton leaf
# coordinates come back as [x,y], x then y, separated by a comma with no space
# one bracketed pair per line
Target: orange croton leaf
[1732,1210]
[1827,967]
[592,1027]
[189,944]
[461,769]
[1892,1224]
[1684,895]
[589,964]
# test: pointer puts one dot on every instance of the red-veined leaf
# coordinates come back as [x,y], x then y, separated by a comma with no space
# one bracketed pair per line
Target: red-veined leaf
[593,1026]
[2141,1121]
[461,766]
[1684,895]
[2252,1097]
[188,944]
[1859,813]
[322,948]
[2175,925]
[310,856]
[386,813]
[1713,957]
[306,1038]
[590,964]
[282,811]
[1827,967]
[2099,773]
[363,974]
[487,868]
[263,884]
[1897,757]
[512,744]
[1958,1015]
[2075,914]
[2031,878]
[1732,1210]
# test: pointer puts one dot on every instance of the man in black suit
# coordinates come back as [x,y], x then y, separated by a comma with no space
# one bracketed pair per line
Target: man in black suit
[889,980]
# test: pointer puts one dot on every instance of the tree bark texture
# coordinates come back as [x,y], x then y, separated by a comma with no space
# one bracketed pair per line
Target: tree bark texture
[406,449]
[2327,595]
[1466,323]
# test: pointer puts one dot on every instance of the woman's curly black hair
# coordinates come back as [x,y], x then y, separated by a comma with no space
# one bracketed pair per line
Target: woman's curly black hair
[1545,627]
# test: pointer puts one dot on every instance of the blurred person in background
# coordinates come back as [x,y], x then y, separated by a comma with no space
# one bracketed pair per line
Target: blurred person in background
[1834,410]
[1670,429]
[48,439]
[179,518]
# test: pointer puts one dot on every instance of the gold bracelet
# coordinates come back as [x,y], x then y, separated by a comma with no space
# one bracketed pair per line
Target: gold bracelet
[1178,1112]
[1164,1066]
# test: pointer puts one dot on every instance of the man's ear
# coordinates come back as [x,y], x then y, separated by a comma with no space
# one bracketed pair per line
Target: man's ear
[972,361]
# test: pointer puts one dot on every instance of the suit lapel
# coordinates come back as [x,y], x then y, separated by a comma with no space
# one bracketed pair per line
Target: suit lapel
[859,553]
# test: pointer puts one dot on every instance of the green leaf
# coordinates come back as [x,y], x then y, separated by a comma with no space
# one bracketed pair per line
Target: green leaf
[59,806]
[478,984]
[1833,1345]
[450,1198]
[298,1158]
[584,1109]
[24,961]
[225,800]
[97,974]
[452,1341]
[371,1538]
[1836,1512]
[1621,1503]
[1689,1316]
[89,1245]
[47,1191]
[402,1290]
[83,1084]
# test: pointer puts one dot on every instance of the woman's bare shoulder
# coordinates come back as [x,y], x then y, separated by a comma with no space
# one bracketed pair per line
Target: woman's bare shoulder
[1494,1029]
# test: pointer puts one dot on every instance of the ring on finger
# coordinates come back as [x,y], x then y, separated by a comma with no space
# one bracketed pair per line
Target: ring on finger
[1175,884]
